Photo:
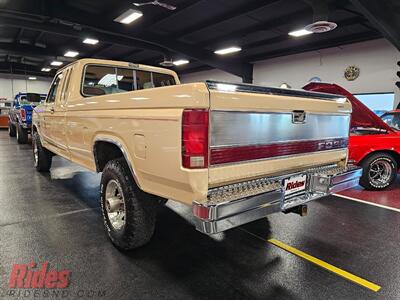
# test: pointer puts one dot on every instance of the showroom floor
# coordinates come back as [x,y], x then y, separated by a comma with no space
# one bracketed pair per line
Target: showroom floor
[57,219]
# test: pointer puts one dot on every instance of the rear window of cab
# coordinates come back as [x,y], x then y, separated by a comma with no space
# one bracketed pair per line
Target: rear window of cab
[102,80]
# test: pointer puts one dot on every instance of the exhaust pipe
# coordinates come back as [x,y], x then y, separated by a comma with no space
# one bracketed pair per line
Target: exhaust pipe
[301,210]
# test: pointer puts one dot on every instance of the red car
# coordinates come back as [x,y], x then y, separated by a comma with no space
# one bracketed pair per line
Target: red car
[373,144]
[392,118]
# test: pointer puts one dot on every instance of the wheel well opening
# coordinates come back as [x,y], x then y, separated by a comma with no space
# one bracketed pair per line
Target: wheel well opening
[104,152]
[395,155]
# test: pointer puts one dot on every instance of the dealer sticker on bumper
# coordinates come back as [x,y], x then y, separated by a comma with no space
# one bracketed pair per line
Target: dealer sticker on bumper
[295,184]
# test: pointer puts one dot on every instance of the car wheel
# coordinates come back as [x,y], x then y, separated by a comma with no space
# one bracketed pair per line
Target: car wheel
[22,135]
[42,157]
[11,130]
[379,171]
[129,214]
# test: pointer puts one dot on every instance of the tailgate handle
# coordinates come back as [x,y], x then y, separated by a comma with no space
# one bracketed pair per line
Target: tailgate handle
[298,117]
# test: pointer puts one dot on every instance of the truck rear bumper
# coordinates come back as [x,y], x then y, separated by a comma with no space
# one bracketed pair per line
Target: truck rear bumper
[238,204]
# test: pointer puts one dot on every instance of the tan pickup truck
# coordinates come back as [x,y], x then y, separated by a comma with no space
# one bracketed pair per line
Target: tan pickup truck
[233,152]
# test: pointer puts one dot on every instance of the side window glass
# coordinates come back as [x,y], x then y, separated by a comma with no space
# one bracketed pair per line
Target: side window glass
[162,80]
[125,80]
[66,84]
[53,90]
[100,80]
[143,80]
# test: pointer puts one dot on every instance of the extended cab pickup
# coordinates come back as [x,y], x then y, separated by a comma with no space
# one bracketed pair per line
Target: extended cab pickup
[233,152]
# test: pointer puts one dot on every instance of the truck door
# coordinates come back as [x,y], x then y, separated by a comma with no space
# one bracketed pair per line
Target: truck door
[46,123]
[58,117]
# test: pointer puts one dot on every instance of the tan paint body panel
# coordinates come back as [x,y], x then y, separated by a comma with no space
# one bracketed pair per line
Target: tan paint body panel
[233,101]
[152,118]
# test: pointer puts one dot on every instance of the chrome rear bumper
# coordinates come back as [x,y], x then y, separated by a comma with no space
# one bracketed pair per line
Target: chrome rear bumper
[238,204]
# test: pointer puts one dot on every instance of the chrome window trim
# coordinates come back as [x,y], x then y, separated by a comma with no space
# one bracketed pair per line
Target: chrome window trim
[256,89]
[121,147]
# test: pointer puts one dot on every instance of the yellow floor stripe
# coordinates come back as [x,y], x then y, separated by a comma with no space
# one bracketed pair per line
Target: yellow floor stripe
[329,267]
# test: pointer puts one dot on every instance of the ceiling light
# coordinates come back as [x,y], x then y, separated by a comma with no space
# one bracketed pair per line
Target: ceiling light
[71,54]
[46,69]
[32,78]
[300,32]
[181,62]
[285,86]
[129,16]
[227,50]
[226,87]
[90,41]
[56,63]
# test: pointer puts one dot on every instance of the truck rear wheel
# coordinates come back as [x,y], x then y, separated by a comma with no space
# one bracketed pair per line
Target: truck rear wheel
[22,135]
[379,171]
[11,129]
[129,214]
[42,157]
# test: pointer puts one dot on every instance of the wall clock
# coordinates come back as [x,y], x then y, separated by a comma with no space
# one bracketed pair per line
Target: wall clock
[351,73]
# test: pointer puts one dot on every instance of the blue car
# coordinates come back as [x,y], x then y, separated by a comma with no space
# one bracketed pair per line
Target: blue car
[20,115]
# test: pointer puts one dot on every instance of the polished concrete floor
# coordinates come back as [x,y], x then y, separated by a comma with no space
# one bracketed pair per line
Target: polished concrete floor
[389,197]
[56,218]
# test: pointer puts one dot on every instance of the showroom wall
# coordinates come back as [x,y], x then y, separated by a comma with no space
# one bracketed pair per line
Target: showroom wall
[376,59]
[11,85]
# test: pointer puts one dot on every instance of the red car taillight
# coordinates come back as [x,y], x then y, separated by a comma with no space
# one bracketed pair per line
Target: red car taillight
[195,138]
[23,114]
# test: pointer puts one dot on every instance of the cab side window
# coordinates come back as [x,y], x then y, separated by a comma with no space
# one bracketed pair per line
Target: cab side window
[160,79]
[51,97]
[100,80]
[125,80]
[143,80]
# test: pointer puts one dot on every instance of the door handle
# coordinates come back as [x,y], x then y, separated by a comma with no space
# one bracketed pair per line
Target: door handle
[52,110]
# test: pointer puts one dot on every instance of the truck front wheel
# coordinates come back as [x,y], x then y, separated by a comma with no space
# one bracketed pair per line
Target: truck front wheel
[22,135]
[11,129]
[42,157]
[129,214]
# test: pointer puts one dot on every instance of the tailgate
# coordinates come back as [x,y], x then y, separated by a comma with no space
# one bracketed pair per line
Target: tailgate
[258,131]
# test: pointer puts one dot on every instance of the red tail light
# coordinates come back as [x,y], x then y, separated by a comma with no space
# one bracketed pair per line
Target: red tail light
[195,138]
[23,114]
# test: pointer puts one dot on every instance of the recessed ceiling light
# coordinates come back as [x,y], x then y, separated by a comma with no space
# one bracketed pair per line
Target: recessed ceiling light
[71,54]
[226,87]
[56,63]
[285,86]
[90,41]
[227,50]
[32,78]
[129,16]
[181,62]
[300,32]
[46,69]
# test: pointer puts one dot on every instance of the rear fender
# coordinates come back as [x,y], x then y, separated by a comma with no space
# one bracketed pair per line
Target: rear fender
[121,145]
